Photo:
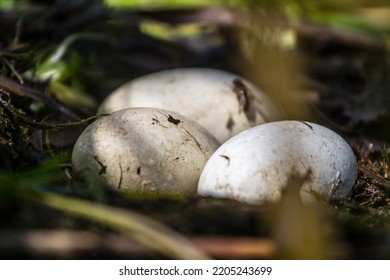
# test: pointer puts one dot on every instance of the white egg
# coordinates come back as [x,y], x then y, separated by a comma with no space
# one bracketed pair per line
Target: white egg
[222,102]
[144,149]
[255,165]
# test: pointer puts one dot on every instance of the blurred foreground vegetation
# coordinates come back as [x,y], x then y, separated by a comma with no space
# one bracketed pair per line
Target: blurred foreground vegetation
[325,61]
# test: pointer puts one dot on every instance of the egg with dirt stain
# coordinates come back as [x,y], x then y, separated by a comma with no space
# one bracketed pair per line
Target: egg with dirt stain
[222,102]
[256,165]
[143,150]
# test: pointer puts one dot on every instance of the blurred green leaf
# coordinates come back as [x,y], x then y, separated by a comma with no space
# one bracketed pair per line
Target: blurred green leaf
[73,97]
[150,4]
[38,177]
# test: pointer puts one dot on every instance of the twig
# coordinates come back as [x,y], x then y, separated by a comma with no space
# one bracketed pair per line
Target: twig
[14,71]
[22,120]
[76,242]
[324,33]
[237,247]
[21,90]
[216,15]
[226,16]
[380,180]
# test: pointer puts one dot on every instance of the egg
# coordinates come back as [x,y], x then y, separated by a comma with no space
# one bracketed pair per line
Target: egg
[222,102]
[143,150]
[255,165]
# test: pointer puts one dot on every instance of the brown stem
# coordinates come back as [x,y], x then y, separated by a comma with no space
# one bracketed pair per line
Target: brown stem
[21,90]
[70,242]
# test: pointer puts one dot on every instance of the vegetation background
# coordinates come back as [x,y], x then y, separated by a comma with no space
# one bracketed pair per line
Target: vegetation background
[324,61]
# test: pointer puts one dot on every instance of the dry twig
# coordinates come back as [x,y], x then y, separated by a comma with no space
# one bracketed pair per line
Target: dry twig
[73,243]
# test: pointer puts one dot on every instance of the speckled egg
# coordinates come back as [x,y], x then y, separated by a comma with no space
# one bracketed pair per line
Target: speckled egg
[145,150]
[255,165]
[222,102]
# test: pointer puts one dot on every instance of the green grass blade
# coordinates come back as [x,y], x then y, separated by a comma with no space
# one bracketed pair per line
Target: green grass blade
[142,229]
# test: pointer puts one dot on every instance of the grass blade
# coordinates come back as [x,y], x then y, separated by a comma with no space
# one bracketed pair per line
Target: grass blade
[140,228]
